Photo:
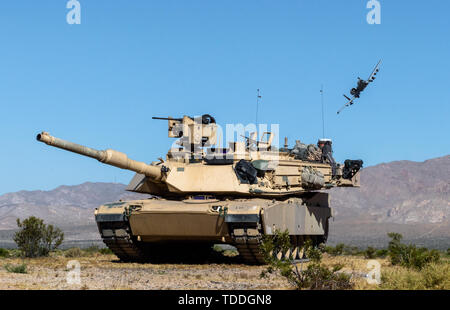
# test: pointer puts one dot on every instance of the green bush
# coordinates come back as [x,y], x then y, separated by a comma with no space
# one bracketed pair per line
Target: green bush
[352,250]
[58,252]
[370,253]
[4,252]
[448,252]
[16,268]
[335,251]
[381,253]
[35,238]
[409,255]
[73,252]
[315,276]
[15,253]
[105,251]
[319,277]
[342,249]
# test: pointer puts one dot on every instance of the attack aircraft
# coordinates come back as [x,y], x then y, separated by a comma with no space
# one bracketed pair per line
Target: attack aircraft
[362,84]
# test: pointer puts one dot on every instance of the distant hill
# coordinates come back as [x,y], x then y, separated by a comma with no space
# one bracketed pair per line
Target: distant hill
[409,197]
[68,207]
[64,206]
[412,198]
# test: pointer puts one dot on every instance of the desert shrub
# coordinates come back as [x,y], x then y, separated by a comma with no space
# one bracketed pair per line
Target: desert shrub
[352,250]
[342,249]
[327,249]
[35,238]
[73,252]
[337,250]
[16,268]
[381,253]
[409,255]
[320,277]
[315,276]
[15,253]
[370,252]
[4,252]
[58,252]
[105,251]
[92,249]
[433,276]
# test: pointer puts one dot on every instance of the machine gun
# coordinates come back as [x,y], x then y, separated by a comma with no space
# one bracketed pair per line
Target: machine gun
[168,118]
[205,119]
[193,132]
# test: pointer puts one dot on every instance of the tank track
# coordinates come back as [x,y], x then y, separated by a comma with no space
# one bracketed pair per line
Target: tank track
[247,240]
[128,249]
[121,243]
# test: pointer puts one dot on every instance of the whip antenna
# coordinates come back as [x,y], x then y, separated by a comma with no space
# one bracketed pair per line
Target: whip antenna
[258,96]
[323,117]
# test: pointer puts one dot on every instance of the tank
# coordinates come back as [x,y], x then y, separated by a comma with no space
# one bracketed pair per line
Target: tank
[203,195]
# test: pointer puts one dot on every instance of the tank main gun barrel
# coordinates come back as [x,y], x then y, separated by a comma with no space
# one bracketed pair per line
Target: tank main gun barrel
[109,157]
[168,118]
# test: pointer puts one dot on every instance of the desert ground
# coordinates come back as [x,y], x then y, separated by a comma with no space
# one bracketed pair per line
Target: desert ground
[100,271]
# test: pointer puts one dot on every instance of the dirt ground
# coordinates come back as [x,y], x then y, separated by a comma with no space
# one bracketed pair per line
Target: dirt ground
[106,272]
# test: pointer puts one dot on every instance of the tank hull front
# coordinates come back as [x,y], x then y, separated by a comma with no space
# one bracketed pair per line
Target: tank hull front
[154,222]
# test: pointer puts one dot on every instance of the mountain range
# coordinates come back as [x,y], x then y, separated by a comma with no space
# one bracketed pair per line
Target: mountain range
[412,198]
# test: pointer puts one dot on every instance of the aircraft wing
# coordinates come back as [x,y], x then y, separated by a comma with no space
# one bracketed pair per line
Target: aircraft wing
[374,72]
[349,103]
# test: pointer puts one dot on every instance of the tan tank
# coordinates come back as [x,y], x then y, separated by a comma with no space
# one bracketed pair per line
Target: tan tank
[203,195]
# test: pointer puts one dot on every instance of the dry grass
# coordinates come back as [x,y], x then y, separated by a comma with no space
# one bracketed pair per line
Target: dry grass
[100,271]
[432,277]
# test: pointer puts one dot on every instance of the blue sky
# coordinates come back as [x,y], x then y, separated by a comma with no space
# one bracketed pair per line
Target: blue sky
[99,83]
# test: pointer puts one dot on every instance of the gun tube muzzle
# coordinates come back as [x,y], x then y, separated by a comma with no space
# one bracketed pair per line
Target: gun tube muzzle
[110,157]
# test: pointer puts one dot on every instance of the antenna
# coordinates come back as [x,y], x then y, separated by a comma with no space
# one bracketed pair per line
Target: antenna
[323,118]
[258,96]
